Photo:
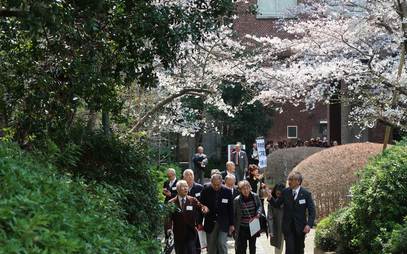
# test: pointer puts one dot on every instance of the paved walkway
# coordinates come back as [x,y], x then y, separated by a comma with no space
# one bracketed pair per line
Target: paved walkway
[263,245]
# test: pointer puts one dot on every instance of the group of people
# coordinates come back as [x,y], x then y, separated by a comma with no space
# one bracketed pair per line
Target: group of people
[313,142]
[227,205]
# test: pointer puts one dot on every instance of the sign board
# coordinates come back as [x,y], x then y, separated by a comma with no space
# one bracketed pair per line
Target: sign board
[261,149]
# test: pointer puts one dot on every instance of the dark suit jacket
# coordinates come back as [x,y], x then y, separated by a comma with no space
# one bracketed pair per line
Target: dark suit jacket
[295,211]
[172,189]
[235,192]
[196,190]
[183,221]
[220,210]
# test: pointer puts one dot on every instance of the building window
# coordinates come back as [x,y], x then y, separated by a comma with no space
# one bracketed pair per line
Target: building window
[275,8]
[292,131]
[323,128]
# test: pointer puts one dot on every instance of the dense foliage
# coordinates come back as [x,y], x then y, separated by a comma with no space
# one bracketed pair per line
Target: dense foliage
[373,221]
[121,164]
[60,57]
[43,211]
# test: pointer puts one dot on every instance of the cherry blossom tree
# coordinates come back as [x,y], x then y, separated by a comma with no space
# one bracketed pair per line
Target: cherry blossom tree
[201,70]
[352,49]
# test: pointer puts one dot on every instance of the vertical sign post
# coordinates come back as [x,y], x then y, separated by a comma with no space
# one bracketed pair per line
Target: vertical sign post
[261,149]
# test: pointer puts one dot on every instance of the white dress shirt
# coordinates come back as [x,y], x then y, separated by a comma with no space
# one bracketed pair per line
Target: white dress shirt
[297,190]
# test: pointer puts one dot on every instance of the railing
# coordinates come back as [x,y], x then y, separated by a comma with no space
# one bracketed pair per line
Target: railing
[330,200]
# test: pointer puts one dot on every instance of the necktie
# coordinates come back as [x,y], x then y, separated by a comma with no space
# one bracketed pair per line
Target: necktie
[237,159]
[183,204]
[294,192]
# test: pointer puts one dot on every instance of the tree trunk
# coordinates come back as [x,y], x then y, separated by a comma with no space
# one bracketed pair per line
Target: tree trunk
[106,123]
[91,119]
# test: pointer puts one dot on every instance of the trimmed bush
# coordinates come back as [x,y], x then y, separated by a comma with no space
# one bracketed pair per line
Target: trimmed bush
[42,211]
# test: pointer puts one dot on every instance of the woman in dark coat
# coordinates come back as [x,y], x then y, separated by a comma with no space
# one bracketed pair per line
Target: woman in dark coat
[275,221]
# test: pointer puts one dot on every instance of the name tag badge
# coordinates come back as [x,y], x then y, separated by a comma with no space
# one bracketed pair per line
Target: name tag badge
[225,200]
[197,194]
[174,188]
[189,208]
[301,201]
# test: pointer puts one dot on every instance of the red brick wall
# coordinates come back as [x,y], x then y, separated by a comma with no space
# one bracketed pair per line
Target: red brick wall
[307,122]
[247,23]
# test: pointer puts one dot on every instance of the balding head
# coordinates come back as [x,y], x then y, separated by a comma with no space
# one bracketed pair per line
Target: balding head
[216,181]
[230,167]
[230,181]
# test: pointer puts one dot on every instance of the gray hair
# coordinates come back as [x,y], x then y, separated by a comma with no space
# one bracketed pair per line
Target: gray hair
[216,176]
[244,183]
[171,170]
[188,171]
[180,183]
[295,175]
[215,171]
[230,176]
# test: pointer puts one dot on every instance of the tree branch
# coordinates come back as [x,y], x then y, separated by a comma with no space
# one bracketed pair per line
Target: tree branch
[158,106]
[12,12]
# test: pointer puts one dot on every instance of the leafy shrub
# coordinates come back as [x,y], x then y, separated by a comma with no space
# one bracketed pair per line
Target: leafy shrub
[378,204]
[42,211]
[398,239]
[123,165]
[326,236]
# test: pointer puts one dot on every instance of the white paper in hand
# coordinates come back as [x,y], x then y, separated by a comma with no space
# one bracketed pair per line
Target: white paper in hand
[202,239]
[254,226]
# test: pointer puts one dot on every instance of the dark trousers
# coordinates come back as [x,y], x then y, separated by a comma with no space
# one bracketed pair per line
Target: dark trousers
[186,247]
[294,241]
[241,241]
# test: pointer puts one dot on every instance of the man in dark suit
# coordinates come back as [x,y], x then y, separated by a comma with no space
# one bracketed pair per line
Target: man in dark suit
[230,183]
[230,170]
[239,157]
[182,220]
[194,189]
[170,186]
[298,213]
[199,160]
[219,220]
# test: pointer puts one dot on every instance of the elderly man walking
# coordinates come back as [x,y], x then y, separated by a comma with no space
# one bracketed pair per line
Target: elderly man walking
[239,157]
[194,189]
[169,187]
[182,220]
[218,222]
[298,213]
[199,160]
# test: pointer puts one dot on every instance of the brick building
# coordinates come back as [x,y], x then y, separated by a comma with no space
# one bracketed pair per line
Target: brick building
[329,121]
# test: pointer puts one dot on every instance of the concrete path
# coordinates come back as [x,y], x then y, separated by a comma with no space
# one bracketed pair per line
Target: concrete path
[263,245]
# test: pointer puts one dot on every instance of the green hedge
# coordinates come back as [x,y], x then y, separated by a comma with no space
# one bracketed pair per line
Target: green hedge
[398,239]
[42,211]
[326,237]
[123,164]
[371,223]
